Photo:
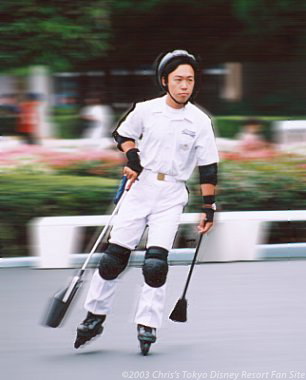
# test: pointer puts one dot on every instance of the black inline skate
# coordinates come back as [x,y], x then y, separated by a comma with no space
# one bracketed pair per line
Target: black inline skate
[146,336]
[89,328]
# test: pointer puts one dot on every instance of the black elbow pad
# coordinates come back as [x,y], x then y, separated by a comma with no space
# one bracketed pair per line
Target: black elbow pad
[209,174]
[120,139]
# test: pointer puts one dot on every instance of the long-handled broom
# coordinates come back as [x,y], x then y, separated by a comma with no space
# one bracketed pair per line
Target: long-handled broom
[179,313]
[61,301]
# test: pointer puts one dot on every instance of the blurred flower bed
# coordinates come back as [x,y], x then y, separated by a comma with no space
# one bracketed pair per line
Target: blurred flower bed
[260,183]
[36,182]
[257,182]
[27,196]
[33,159]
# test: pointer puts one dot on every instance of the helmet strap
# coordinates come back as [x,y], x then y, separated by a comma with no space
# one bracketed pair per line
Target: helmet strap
[183,103]
[172,97]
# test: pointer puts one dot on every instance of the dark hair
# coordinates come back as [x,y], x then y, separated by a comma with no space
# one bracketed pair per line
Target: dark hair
[175,62]
[173,65]
[167,63]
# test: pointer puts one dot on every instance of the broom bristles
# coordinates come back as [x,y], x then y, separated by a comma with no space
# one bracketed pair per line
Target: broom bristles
[179,313]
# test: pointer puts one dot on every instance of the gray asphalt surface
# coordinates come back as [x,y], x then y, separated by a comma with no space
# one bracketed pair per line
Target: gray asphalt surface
[245,320]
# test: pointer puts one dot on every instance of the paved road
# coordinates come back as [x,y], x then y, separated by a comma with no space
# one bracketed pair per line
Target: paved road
[245,319]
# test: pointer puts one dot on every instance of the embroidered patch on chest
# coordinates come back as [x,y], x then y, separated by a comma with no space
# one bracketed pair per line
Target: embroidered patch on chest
[188,132]
[184,146]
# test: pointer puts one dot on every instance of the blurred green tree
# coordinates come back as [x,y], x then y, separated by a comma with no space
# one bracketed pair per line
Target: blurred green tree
[56,33]
[219,30]
[97,34]
[274,29]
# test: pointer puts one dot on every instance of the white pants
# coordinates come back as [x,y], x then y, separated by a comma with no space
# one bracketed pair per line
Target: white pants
[159,205]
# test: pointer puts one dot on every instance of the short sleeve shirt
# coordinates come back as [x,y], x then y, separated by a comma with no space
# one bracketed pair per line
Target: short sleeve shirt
[171,141]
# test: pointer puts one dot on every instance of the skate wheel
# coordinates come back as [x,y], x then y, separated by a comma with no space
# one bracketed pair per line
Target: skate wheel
[85,338]
[145,347]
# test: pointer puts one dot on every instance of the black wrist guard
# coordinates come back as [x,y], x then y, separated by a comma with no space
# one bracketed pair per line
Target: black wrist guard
[209,199]
[134,160]
[209,213]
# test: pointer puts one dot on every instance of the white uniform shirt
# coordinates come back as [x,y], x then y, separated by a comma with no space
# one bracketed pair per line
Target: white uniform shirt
[171,141]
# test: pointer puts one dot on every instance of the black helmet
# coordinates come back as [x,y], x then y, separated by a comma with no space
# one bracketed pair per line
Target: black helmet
[176,57]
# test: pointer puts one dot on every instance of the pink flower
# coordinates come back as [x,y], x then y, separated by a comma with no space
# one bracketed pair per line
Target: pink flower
[59,160]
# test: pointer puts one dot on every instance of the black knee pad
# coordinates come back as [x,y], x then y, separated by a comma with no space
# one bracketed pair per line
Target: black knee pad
[113,261]
[155,267]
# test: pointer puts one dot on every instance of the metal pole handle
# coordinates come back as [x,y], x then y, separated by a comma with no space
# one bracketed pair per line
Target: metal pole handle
[192,265]
[102,234]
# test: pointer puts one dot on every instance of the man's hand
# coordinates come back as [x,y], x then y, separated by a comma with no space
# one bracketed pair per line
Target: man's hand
[131,176]
[133,167]
[204,225]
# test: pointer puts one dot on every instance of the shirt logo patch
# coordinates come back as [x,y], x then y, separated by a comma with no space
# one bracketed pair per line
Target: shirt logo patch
[188,133]
[184,146]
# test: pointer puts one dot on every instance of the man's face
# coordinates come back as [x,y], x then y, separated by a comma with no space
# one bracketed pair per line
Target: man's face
[181,82]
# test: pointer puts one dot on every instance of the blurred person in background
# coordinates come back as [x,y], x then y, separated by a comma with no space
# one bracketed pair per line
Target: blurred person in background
[251,137]
[164,139]
[97,117]
[29,118]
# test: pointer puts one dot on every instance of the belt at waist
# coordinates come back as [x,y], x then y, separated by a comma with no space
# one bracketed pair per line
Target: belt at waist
[163,177]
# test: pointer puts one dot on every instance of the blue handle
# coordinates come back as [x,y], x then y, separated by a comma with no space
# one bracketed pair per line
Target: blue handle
[120,189]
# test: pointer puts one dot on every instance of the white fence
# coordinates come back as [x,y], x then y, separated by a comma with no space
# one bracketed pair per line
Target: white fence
[236,236]
[290,131]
